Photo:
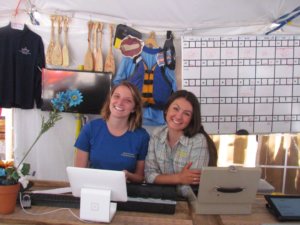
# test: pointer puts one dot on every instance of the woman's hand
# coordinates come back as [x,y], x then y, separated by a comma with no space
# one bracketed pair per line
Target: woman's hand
[126,174]
[133,177]
[138,175]
[186,176]
[189,176]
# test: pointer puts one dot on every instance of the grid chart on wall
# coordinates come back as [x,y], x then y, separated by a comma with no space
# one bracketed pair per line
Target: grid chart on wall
[245,84]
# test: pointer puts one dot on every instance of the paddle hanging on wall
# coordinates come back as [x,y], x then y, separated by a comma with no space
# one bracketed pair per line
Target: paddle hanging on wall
[51,43]
[99,56]
[56,58]
[110,61]
[88,59]
[65,50]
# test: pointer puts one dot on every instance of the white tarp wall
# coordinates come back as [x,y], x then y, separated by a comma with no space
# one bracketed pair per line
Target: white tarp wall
[55,150]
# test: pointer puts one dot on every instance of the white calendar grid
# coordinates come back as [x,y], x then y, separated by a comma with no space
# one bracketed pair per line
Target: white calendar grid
[245,84]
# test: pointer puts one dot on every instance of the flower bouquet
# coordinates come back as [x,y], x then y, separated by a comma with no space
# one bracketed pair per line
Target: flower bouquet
[11,174]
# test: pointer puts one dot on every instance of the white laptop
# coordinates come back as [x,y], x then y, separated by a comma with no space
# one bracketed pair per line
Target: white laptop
[226,190]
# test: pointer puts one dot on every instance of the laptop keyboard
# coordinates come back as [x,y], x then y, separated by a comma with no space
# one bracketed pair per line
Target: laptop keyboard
[141,198]
[54,200]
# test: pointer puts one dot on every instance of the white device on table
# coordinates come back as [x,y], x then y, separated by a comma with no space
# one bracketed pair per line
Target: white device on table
[226,190]
[96,189]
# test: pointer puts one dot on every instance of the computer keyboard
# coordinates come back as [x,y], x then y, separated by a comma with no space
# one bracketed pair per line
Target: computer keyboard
[141,198]
[152,191]
[151,205]
[54,200]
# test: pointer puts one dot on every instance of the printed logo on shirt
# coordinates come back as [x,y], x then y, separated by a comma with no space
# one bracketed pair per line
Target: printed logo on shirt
[128,155]
[25,51]
[182,154]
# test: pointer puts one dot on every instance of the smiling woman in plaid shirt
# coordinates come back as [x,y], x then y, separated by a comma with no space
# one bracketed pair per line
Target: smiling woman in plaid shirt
[179,150]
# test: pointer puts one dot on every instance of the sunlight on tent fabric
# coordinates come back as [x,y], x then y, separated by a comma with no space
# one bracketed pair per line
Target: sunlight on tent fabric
[232,145]
[7,113]
[287,143]
[277,145]
[250,159]
[224,148]
[281,141]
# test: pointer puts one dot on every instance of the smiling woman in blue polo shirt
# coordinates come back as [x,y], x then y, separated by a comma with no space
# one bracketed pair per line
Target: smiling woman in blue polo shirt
[116,141]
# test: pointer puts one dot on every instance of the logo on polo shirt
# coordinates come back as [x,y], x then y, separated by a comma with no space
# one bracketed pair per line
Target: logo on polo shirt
[128,155]
[25,51]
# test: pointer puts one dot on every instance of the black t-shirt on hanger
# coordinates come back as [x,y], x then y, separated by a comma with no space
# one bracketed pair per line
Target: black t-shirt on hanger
[21,60]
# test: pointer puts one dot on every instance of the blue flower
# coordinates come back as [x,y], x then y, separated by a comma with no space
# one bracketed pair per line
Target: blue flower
[2,172]
[75,97]
[58,104]
[67,99]
[63,97]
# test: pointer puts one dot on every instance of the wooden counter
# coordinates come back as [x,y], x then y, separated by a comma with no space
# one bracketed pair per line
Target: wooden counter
[52,215]
[260,215]
[183,215]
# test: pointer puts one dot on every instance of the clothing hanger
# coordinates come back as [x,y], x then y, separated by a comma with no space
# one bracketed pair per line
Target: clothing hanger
[151,41]
[16,24]
[15,20]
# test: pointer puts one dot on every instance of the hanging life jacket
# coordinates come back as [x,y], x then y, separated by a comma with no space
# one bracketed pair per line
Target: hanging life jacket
[153,84]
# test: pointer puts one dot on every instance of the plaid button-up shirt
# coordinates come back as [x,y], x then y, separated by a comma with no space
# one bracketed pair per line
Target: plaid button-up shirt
[161,159]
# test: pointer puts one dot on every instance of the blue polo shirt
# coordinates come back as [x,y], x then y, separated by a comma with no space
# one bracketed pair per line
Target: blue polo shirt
[110,152]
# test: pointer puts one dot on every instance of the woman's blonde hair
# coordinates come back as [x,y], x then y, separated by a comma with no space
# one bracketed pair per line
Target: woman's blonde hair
[135,118]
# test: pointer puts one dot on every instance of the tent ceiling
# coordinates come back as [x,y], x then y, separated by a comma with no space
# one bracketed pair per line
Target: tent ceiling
[168,13]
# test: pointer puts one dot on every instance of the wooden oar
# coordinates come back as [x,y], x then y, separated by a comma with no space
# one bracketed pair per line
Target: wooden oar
[88,59]
[56,58]
[65,50]
[110,61]
[51,43]
[94,31]
[99,57]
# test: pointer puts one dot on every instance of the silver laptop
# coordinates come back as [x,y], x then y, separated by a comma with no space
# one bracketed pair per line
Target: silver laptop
[226,190]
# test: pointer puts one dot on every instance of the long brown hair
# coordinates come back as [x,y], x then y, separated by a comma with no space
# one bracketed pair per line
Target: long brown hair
[195,125]
[135,118]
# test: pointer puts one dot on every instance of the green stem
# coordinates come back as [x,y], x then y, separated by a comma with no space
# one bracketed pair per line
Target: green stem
[29,150]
